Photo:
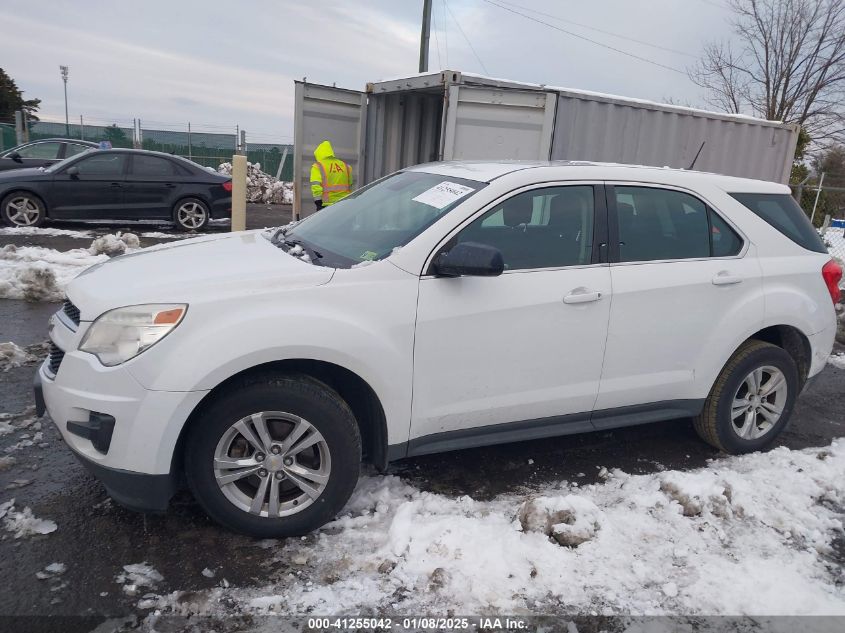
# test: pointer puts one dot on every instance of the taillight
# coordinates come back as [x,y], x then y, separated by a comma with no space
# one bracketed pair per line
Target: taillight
[228,186]
[832,273]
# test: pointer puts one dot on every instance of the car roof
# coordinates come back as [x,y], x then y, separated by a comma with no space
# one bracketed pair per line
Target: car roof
[78,141]
[488,171]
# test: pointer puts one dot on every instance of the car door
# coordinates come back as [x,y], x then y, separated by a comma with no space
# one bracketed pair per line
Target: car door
[684,283]
[39,154]
[525,347]
[150,187]
[93,190]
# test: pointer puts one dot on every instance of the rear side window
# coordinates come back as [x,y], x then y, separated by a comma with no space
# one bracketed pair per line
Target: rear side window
[152,166]
[784,214]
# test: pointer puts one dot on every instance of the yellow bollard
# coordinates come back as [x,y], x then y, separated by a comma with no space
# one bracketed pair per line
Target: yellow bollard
[239,192]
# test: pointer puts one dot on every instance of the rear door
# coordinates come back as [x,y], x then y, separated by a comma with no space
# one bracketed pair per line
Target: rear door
[525,347]
[685,283]
[95,192]
[150,188]
[325,113]
[495,123]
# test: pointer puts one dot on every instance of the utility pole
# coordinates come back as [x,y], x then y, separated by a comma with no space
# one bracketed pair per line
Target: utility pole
[64,70]
[425,35]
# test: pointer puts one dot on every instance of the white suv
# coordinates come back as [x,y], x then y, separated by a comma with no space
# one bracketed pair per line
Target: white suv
[446,306]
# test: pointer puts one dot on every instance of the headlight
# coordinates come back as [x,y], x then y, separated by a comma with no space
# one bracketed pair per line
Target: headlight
[123,333]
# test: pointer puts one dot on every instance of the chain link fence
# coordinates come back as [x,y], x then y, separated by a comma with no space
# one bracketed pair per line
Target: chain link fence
[202,145]
[834,239]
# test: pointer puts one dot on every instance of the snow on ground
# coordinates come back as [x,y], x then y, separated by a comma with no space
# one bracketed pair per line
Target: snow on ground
[837,360]
[756,534]
[37,273]
[136,576]
[24,523]
[46,231]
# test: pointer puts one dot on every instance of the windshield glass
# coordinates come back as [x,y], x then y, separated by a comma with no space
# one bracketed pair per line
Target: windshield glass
[370,223]
[64,162]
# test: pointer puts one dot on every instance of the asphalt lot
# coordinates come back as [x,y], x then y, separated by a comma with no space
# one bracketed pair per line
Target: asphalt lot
[96,538]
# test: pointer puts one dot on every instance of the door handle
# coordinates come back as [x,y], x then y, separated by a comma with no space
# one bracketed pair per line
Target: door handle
[170,185]
[582,295]
[116,184]
[724,278]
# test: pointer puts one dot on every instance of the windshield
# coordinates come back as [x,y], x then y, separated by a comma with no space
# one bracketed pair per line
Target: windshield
[66,161]
[370,223]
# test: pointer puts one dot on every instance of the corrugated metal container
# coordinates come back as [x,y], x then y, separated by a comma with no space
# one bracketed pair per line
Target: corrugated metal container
[451,115]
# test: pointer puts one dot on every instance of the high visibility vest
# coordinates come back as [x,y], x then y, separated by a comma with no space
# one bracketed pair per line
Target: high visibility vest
[331,180]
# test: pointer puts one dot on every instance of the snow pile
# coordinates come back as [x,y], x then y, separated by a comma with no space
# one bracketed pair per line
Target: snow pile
[261,186]
[114,244]
[12,355]
[837,360]
[756,534]
[138,575]
[24,523]
[36,273]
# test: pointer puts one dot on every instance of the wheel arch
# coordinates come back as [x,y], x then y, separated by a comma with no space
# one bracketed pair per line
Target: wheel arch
[354,390]
[793,341]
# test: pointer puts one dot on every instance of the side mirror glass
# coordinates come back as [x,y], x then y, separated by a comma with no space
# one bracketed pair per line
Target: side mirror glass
[16,157]
[472,259]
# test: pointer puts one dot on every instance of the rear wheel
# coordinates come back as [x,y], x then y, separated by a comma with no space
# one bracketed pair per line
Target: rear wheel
[190,214]
[752,400]
[274,458]
[21,209]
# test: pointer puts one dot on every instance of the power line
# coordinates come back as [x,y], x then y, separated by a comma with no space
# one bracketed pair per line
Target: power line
[587,39]
[460,28]
[597,30]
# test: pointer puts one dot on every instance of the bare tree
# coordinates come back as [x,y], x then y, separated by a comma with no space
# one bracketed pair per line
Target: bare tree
[787,64]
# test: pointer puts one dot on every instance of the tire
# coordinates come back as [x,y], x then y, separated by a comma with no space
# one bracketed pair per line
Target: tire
[755,425]
[283,402]
[190,214]
[20,209]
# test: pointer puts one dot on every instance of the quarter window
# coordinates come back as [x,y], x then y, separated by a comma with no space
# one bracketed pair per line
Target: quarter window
[725,240]
[542,228]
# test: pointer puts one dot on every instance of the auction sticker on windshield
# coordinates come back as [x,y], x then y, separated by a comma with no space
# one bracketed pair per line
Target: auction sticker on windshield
[443,194]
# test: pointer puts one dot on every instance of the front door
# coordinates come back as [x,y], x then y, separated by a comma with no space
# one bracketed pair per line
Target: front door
[94,192]
[525,347]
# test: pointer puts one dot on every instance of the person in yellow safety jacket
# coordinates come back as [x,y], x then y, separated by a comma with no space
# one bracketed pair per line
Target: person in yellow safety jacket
[331,178]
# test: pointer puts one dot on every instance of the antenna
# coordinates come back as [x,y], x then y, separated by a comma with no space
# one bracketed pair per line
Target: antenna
[697,154]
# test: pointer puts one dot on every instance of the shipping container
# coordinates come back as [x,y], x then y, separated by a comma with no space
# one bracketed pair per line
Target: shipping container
[452,116]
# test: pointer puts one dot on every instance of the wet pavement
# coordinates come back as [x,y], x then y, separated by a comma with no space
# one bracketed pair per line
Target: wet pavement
[96,538]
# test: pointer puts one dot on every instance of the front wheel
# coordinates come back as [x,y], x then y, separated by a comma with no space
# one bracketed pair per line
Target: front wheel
[22,209]
[752,400]
[190,214]
[274,458]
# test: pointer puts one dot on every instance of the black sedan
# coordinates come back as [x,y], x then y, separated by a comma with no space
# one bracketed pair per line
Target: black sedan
[43,153]
[116,184]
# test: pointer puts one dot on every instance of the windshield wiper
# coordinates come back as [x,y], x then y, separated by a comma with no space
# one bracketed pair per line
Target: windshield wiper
[313,254]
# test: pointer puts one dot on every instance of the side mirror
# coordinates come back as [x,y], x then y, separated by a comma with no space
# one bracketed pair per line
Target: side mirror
[471,259]
[73,172]
[16,157]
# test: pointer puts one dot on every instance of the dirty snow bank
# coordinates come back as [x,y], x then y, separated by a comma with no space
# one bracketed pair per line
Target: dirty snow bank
[36,273]
[46,231]
[24,523]
[12,355]
[745,535]
[261,186]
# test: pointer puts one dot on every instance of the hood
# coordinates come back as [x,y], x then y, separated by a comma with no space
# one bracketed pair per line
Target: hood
[324,150]
[204,269]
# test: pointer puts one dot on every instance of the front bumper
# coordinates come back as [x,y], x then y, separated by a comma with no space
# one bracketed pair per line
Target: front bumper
[124,434]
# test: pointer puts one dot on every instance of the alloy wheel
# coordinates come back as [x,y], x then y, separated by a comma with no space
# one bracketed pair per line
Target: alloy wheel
[191,215]
[22,211]
[759,402]
[272,464]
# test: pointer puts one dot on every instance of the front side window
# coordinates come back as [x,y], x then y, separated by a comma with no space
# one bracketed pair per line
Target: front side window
[542,228]
[102,164]
[43,151]
[368,224]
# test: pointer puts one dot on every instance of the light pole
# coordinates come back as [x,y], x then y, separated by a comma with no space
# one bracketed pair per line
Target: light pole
[67,120]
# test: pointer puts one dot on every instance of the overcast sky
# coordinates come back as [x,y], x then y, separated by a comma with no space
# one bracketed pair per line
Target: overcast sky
[221,63]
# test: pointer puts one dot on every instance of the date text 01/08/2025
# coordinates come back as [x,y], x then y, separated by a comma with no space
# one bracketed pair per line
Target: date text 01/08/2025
[419,623]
